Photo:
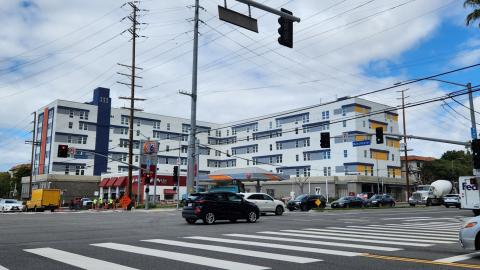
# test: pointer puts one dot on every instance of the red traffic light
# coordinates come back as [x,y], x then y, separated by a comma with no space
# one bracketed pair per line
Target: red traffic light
[62,151]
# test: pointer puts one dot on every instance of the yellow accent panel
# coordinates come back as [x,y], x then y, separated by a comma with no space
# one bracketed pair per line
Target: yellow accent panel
[360,137]
[375,125]
[395,118]
[361,168]
[379,155]
[360,109]
[398,172]
[393,143]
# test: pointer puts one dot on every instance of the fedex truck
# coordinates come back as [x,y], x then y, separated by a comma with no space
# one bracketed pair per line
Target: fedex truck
[469,193]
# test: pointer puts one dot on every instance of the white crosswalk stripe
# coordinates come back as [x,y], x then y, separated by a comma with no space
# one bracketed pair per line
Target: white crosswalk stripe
[405,230]
[349,239]
[414,228]
[314,242]
[346,231]
[373,237]
[278,246]
[459,258]
[3,268]
[402,232]
[76,260]
[432,226]
[182,257]
[236,251]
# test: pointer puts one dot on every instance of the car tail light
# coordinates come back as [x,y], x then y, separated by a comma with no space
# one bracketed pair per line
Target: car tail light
[470,224]
[197,210]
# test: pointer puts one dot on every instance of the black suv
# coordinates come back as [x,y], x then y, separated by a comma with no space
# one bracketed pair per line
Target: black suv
[306,202]
[213,206]
[381,200]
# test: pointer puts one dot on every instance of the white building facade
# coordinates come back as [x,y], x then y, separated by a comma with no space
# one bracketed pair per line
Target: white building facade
[286,142]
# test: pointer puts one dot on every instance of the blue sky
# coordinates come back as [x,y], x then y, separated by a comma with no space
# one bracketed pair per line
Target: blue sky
[51,51]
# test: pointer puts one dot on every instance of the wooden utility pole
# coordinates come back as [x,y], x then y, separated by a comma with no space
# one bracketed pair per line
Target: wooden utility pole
[407,171]
[133,68]
[32,162]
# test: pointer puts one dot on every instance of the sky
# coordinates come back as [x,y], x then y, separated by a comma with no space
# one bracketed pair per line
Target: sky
[56,49]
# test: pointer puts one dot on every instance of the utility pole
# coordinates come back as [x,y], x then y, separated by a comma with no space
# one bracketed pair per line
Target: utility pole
[472,111]
[32,169]
[179,163]
[193,114]
[133,30]
[407,172]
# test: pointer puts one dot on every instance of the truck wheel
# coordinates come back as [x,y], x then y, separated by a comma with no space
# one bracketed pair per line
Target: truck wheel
[447,206]
[476,212]
[412,205]
[429,202]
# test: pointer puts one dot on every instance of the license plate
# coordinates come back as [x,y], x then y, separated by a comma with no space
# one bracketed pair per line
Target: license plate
[189,204]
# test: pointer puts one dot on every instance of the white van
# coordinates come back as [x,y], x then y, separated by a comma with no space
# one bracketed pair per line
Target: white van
[469,193]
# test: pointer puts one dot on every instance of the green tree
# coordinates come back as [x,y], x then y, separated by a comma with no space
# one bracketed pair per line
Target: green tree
[450,166]
[20,171]
[4,184]
[475,14]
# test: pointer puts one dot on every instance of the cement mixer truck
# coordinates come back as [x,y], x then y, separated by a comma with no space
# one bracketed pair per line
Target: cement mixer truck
[431,194]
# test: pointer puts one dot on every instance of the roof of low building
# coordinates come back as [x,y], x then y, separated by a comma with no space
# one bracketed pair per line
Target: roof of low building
[417,158]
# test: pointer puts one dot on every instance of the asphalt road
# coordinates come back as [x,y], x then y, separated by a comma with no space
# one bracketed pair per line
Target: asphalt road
[401,238]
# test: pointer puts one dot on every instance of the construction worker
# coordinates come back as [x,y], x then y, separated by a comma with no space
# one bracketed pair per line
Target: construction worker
[110,203]
[100,202]
[94,204]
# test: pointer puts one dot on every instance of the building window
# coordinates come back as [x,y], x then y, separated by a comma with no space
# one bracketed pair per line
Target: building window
[156,125]
[345,153]
[67,169]
[270,125]
[297,172]
[364,124]
[69,139]
[248,138]
[124,120]
[365,153]
[279,159]
[329,171]
[366,170]
[306,142]
[138,132]
[324,171]
[168,126]
[136,158]
[70,124]
[271,147]
[306,118]
[296,144]
[217,153]
[71,113]
[296,130]
[139,122]
[344,112]
[279,146]
[344,123]
[80,170]
[255,148]
[82,126]
[296,158]
[167,148]
[325,115]
[393,157]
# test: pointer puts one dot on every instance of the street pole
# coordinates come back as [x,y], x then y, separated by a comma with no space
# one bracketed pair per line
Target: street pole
[193,113]
[472,111]
[326,187]
[179,162]
[407,172]
[197,164]
[32,169]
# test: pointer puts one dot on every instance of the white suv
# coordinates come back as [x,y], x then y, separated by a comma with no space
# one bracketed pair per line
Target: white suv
[265,203]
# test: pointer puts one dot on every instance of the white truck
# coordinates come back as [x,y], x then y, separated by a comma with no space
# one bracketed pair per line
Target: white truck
[431,194]
[469,193]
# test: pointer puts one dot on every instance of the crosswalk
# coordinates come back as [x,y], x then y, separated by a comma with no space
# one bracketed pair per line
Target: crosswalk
[300,246]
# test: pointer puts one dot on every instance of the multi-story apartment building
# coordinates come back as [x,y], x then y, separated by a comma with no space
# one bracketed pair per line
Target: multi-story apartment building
[287,142]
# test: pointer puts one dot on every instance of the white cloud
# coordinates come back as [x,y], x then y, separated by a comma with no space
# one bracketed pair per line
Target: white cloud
[333,54]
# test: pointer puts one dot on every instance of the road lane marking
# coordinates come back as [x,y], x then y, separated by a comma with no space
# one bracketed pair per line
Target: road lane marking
[410,260]
[403,232]
[236,251]
[314,242]
[431,226]
[279,246]
[459,258]
[76,260]
[182,257]
[400,218]
[347,231]
[411,240]
[414,228]
[396,243]
[3,268]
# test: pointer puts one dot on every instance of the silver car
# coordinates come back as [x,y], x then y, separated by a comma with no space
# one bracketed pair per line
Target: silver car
[470,234]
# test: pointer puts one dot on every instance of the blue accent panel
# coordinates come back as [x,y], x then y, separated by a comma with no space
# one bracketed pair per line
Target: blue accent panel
[101,98]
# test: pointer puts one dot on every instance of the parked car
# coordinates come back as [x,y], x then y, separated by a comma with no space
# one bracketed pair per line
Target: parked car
[265,203]
[9,205]
[451,200]
[306,202]
[220,205]
[381,200]
[348,202]
[469,235]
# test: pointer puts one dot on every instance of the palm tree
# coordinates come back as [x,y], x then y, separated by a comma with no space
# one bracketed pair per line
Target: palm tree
[475,14]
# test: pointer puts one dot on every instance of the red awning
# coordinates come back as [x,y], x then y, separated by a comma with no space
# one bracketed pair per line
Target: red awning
[121,181]
[169,192]
[104,182]
[110,182]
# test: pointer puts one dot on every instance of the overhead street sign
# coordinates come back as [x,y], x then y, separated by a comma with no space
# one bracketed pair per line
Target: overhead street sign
[238,19]
[361,143]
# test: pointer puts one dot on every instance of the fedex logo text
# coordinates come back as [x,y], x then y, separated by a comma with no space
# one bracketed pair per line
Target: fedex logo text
[466,186]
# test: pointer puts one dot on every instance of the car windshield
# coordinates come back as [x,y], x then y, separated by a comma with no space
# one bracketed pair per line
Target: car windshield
[451,195]
[344,199]
[376,197]
[10,201]
[300,197]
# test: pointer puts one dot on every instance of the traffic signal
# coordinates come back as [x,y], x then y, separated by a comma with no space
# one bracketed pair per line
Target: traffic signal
[476,153]
[325,140]
[379,135]
[175,174]
[62,151]
[285,30]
